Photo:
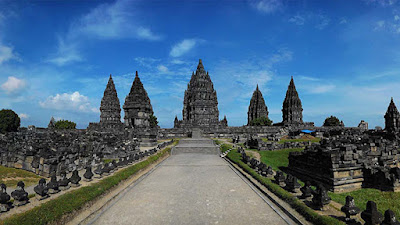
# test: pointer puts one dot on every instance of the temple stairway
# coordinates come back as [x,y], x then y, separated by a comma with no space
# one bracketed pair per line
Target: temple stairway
[196,145]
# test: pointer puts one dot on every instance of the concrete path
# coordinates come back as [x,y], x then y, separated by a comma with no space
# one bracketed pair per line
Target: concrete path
[190,189]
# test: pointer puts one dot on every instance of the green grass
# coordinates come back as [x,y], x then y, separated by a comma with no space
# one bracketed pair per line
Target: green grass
[295,203]
[278,158]
[218,142]
[11,176]
[225,147]
[384,200]
[52,211]
[105,161]
[316,140]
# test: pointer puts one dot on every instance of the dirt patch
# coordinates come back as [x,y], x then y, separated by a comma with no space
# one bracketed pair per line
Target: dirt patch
[254,154]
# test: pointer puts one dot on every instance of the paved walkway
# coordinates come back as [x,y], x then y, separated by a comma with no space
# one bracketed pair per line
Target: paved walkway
[190,188]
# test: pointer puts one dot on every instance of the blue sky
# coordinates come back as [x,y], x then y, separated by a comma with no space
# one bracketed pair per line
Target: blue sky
[56,56]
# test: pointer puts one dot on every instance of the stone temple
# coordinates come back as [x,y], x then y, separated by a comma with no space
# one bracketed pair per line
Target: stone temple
[392,117]
[110,109]
[257,107]
[292,110]
[200,104]
[137,106]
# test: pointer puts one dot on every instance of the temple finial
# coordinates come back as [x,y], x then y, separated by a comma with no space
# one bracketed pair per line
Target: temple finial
[137,74]
[110,76]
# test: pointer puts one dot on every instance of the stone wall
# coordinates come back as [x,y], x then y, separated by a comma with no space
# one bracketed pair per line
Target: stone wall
[349,160]
[43,151]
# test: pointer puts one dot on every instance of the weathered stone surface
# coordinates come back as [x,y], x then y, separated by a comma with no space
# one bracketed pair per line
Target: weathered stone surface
[350,208]
[137,106]
[292,110]
[371,215]
[200,104]
[392,118]
[257,107]
[110,109]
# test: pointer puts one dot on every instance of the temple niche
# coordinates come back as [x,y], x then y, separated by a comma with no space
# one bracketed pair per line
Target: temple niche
[137,106]
[200,104]
[292,110]
[257,107]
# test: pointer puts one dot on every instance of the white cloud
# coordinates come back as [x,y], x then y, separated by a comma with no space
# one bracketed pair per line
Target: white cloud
[267,6]
[322,21]
[309,78]
[162,68]
[65,101]
[23,116]
[66,53]
[146,61]
[319,89]
[343,21]
[6,53]
[178,62]
[383,3]
[13,85]
[183,47]
[108,21]
[297,19]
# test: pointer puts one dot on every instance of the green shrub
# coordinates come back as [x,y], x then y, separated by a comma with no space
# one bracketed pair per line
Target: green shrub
[153,121]
[65,124]
[331,121]
[9,121]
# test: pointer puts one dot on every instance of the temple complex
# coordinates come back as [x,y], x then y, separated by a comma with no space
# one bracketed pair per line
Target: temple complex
[200,104]
[110,109]
[392,117]
[137,106]
[292,110]
[257,107]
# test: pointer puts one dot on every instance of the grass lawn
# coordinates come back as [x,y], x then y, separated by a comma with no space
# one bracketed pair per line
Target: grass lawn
[277,158]
[384,200]
[11,176]
[315,140]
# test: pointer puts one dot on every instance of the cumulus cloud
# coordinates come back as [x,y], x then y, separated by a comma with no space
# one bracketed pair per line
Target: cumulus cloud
[267,6]
[72,102]
[13,85]
[183,47]
[23,116]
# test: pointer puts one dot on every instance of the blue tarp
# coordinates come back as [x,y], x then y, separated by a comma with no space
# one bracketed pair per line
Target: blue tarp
[307,131]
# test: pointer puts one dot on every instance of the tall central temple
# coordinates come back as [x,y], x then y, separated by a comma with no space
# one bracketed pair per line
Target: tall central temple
[200,104]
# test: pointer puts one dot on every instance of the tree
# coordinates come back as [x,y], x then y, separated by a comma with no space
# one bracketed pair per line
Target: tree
[331,121]
[65,124]
[153,121]
[9,121]
[261,121]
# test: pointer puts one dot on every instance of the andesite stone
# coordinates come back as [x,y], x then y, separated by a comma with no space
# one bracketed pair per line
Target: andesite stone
[292,110]
[257,107]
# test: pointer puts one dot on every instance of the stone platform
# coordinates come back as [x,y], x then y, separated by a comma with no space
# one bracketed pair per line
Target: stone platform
[196,145]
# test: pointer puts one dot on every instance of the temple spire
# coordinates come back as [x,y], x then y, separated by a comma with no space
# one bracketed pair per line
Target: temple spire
[292,110]
[137,106]
[110,109]
[257,107]
[392,117]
